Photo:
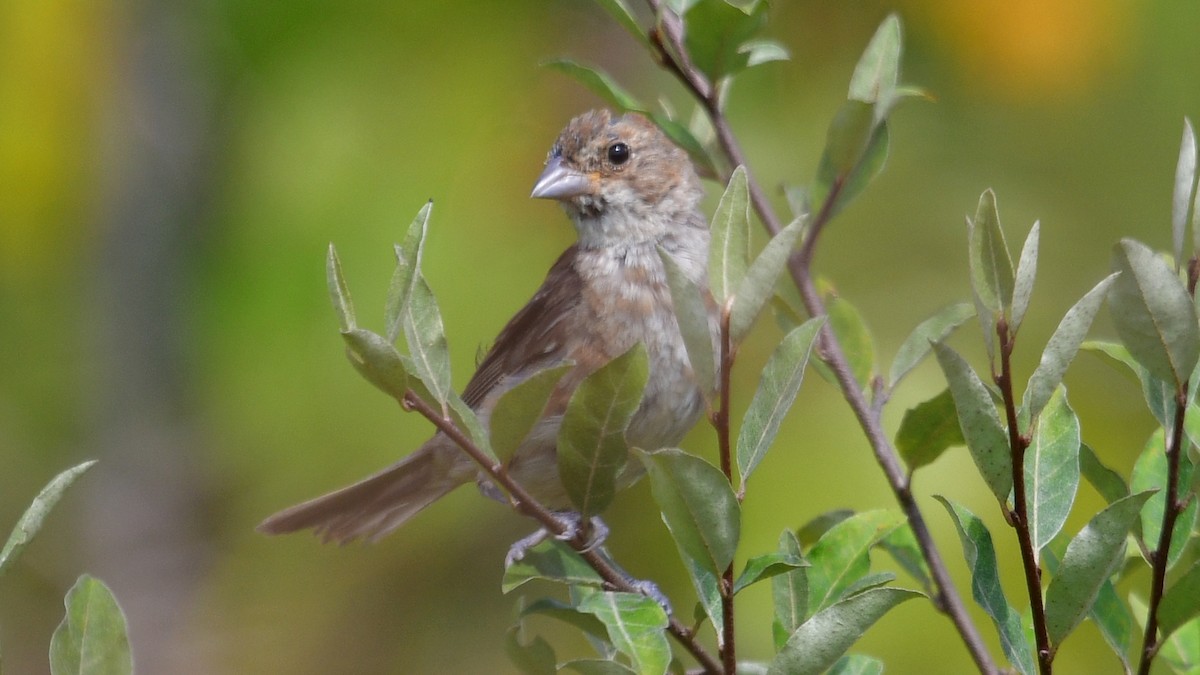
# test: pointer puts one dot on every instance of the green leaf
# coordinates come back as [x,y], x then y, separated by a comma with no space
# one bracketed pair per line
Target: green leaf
[762,50]
[591,440]
[1180,650]
[535,658]
[878,70]
[1153,313]
[1051,470]
[817,644]
[934,329]
[426,338]
[814,529]
[708,591]
[766,566]
[716,31]
[698,506]
[550,560]
[1160,396]
[1107,482]
[31,521]
[1185,185]
[840,557]
[901,543]
[377,361]
[980,554]
[408,265]
[927,430]
[856,148]
[566,613]
[691,313]
[776,392]
[621,12]
[758,283]
[851,331]
[1150,473]
[598,667]
[857,664]
[991,266]
[1179,604]
[636,626]
[1090,559]
[520,408]
[1109,614]
[92,638]
[338,291]
[789,592]
[729,249]
[599,82]
[1026,273]
[980,423]
[1062,347]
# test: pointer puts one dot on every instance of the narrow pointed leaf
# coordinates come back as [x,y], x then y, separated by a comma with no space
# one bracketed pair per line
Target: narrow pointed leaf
[1107,482]
[840,557]
[730,247]
[715,32]
[92,638]
[1181,649]
[759,51]
[901,543]
[1150,473]
[1153,313]
[1185,185]
[1062,347]
[426,338]
[856,148]
[927,430]
[1090,559]
[535,658]
[851,331]
[980,554]
[31,522]
[1180,603]
[980,423]
[622,14]
[766,566]
[1108,612]
[552,560]
[591,441]
[708,590]
[878,68]
[820,642]
[1026,273]
[599,82]
[816,527]
[520,408]
[408,265]
[991,265]
[934,329]
[698,506]
[857,664]
[776,392]
[636,626]
[1051,470]
[568,614]
[338,291]
[758,284]
[691,313]
[789,592]
[377,361]
[987,324]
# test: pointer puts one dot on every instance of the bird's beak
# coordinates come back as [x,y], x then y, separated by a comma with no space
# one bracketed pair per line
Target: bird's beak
[560,182]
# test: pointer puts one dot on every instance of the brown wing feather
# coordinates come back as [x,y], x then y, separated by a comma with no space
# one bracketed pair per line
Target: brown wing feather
[535,337]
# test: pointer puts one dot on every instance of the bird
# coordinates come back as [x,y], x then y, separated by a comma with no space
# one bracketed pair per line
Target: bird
[630,192]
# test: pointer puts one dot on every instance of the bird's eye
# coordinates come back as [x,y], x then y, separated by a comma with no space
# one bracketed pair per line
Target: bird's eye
[618,153]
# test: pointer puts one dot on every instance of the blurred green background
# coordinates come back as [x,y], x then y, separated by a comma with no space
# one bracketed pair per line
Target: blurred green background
[170,177]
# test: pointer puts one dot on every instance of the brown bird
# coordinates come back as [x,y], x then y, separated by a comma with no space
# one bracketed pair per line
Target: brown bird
[629,191]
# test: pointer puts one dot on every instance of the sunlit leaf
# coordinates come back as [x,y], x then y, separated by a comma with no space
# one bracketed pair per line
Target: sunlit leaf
[520,408]
[1062,347]
[927,430]
[698,506]
[1026,273]
[426,338]
[766,566]
[980,554]
[408,265]
[819,642]
[708,590]
[691,312]
[636,626]
[852,333]
[1051,470]
[591,440]
[980,423]
[991,266]
[761,51]
[758,284]
[934,329]
[1090,559]
[338,291]
[374,357]
[1153,313]
[729,249]
[31,522]
[878,70]
[776,392]
[1185,185]
[92,638]
[840,557]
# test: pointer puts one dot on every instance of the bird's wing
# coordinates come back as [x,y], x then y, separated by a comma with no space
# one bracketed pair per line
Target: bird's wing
[536,338]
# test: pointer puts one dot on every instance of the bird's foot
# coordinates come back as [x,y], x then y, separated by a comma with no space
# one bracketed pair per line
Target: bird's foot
[596,529]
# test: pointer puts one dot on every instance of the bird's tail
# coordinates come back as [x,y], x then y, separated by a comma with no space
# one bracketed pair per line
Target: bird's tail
[377,504]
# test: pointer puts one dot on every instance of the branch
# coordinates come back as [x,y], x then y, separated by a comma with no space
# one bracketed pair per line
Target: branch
[668,37]
[526,504]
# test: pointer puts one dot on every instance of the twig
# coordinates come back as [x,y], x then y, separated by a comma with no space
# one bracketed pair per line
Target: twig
[668,36]
[1018,444]
[720,422]
[527,504]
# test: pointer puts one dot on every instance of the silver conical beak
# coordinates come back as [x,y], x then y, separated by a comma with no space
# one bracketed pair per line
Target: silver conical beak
[559,182]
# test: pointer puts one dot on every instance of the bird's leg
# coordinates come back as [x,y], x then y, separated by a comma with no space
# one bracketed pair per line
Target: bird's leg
[644,586]
[596,532]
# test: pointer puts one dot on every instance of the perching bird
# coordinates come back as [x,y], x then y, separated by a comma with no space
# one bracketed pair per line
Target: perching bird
[628,191]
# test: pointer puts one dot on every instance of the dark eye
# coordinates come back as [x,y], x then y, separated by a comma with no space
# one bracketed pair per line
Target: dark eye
[618,153]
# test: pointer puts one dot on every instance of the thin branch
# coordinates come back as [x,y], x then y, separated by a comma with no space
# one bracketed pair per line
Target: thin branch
[668,36]
[527,504]
[1019,519]
[728,644]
